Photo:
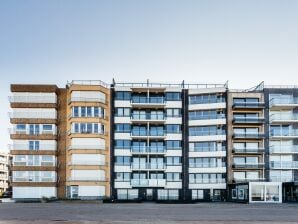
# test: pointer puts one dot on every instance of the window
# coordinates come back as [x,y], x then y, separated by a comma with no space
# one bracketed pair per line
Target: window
[173,112]
[206,162]
[205,146]
[122,112]
[173,176]
[122,144]
[206,114]
[173,96]
[122,95]
[47,127]
[75,111]
[21,127]
[122,176]
[173,160]
[207,98]
[89,111]
[123,160]
[83,111]
[173,144]
[33,145]
[122,128]
[206,130]
[173,128]
[197,194]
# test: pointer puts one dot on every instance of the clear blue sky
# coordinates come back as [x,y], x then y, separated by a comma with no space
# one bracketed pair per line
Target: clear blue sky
[53,41]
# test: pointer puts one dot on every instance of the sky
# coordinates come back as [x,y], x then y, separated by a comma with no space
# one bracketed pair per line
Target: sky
[199,41]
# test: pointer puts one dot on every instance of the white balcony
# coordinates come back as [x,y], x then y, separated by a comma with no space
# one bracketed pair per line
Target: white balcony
[33,115]
[83,147]
[87,163]
[284,118]
[33,179]
[284,165]
[17,146]
[283,103]
[287,149]
[33,99]
[28,132]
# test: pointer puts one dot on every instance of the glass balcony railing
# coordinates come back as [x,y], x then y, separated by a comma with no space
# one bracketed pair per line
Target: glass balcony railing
[207,165]
[283,101]
[148,149]
[248,105]
[284,149]
[149,133]
[249,120]
[243,180]
[206,133]
[248,150]
[208,117]
[148,100]
[248,135]
[281,179]
[284,164]
[33,179]
[148,182]
[148,117]
[148,166]
[207,181]
[283,117]
[284,133]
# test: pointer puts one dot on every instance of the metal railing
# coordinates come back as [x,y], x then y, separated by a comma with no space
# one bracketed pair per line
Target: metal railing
[280,133]
[248,119]
[32,99]
[207,165]
[248,104]
[283,101]
[206,133]
[148,117]
[87,179]
[248,165]
[207,181]
[148,100]
[248,135]
[248,150]
[211,117]
[88,83]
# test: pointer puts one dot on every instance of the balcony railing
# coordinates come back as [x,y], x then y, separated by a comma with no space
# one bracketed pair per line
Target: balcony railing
[217,116]
[28,132]
[248,135]
[148,100]
[206,133]
[244,180]
[207,181]
[32,99]
[248,165]
[148,117]
[34,179]
[78,147]
[280,133]
[207,165]
[29,163]
[248,120]
[87,99]
[148,182]
[248,105]
[33,115]
[248,150]
[284,149]
[27,147]
[87,162]
[148,149]
[87,179]
[284,164]
[147,133]
[283,117]
[148,166]
[283,101]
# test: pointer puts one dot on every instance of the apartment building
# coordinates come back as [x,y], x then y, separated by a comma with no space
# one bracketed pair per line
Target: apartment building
[154,142]
[4,172]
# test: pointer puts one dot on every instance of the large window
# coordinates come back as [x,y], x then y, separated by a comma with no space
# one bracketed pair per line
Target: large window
[207,98]
[173,128]
[122,128]
[173,96]
[122,144]
[173,160]
[87,111]
[122,95]
[122,160]
[173,112]
[206,130]
[122,112]
[88,128]
[206,114]
[205,162]
[173,176]
[173,144]
[206,178]
[206,146]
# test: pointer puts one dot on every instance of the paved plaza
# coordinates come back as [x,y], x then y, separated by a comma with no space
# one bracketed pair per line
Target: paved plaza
[91,213]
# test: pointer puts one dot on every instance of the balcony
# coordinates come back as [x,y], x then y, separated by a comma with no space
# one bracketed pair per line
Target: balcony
[248,105]
[248,150]
[256,135]
[14,131]
[148,101]
[87,99]
[148,166]
[245,180]
[207,181]
[27,147]
[196,117]
[87,163]
[282,179]
[248,165]
[33,179]
[32,99]
[148,117]
[148,150]
[283,103]
[286,134]
[284,118]
[148,182]
[30,163]
[284,165]
[86,147]
[287,149]
[146,133]
[33,115]
[87,179]
[248,120]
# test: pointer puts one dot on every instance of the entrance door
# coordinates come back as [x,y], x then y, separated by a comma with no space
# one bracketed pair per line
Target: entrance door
[74,192]
[149,194]
[216,195]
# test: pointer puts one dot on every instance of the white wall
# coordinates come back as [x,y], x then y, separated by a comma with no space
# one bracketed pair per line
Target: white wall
[97,191]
